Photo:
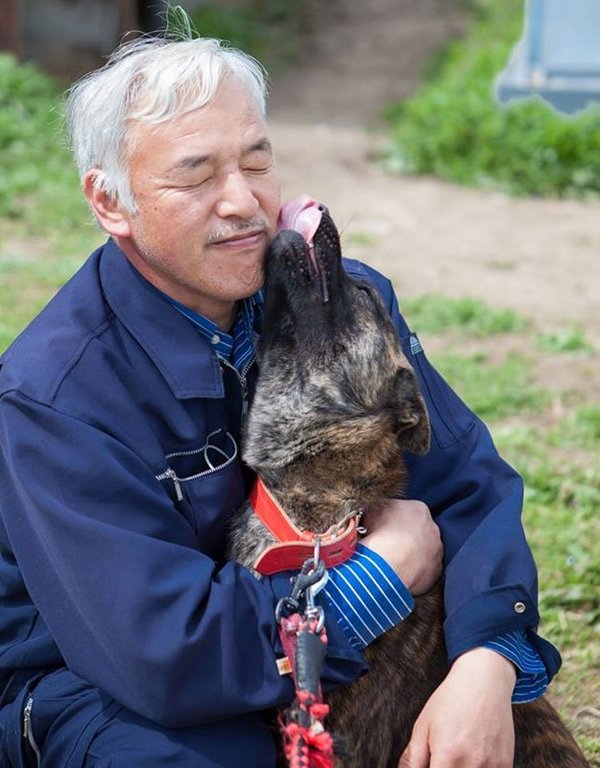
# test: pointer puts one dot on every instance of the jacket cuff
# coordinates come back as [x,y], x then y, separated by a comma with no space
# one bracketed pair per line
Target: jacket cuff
[489,614]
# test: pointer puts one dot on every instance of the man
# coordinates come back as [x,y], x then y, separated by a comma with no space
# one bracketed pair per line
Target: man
[125,639]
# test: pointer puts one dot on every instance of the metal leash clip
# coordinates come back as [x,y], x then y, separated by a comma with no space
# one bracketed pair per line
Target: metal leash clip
[307,584]
[314,611]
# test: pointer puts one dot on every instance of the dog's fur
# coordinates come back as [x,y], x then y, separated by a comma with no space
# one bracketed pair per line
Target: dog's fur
[335,408]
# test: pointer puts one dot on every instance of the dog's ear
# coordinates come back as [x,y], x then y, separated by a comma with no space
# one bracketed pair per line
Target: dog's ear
[413,422]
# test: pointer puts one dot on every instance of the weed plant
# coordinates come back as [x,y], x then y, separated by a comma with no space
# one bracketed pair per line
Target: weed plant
[453,128]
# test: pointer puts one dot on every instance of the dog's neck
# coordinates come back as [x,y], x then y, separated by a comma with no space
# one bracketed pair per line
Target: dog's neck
[323,490]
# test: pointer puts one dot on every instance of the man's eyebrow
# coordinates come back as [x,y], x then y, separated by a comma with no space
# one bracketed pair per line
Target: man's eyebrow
[262,145]
[190,162]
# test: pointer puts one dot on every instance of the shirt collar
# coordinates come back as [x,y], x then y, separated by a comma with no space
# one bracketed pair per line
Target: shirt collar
[237,346]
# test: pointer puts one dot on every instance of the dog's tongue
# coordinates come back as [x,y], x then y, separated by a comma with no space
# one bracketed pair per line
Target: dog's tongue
[302,215]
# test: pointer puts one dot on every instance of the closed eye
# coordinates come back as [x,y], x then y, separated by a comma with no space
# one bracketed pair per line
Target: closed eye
[259,169]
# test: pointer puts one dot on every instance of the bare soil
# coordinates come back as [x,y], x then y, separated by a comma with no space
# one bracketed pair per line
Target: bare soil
[539,257]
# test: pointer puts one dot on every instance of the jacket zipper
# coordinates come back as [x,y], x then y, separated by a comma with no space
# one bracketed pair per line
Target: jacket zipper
[28,731]
[196,450]
[170,474]
[243,382]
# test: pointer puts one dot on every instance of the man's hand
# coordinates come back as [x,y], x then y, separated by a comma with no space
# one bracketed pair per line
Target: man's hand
[467,722]
[404,534]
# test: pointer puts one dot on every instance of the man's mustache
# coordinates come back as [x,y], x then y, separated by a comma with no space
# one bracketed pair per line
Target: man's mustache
[232,228]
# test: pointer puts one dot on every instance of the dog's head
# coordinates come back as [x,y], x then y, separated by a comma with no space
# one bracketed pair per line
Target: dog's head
[332,373]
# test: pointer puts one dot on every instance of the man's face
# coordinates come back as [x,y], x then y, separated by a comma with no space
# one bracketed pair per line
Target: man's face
[208,200]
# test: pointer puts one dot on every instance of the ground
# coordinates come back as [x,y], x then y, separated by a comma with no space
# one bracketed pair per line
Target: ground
[538,256]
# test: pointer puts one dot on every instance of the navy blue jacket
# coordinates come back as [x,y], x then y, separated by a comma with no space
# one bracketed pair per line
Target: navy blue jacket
[103,567]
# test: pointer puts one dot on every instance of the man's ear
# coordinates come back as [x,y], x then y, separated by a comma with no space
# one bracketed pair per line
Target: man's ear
[107,208]
[414,433]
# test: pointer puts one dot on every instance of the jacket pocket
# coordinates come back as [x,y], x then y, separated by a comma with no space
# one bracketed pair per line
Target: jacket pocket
[450,418]
[207,485]
[53,720]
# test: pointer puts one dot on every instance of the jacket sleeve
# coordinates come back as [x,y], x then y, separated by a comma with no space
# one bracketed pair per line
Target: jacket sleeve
[115,572]
[476,499]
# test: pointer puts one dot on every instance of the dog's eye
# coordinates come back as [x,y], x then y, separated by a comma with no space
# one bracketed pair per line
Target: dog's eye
[363,289]
[338,349]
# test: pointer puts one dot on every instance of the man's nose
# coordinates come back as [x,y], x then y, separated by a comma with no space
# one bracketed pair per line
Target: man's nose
[237,197]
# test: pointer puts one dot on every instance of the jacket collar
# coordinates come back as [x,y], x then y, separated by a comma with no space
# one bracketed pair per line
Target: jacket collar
[187,363]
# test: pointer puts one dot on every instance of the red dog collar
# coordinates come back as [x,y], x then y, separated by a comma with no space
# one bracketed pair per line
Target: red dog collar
[296,546]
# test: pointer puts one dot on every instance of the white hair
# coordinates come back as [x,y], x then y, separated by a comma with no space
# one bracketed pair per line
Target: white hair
[151,79]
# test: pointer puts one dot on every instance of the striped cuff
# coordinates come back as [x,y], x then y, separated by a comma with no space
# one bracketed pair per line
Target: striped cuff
[532,678]
[366,596]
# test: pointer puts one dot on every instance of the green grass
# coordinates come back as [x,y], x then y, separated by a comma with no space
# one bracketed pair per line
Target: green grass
[493,391]
[563,499]
[579,430]
[438,314]
[566,340]
[452,126]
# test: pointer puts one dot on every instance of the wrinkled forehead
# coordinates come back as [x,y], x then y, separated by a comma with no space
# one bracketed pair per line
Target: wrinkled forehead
[202,123]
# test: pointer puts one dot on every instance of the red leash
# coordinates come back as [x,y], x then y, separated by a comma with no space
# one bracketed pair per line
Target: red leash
[306,742]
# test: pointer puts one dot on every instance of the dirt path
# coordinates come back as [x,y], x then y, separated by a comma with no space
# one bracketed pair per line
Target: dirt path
[540,257]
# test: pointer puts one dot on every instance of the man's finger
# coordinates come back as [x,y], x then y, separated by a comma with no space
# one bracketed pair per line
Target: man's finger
[416,754]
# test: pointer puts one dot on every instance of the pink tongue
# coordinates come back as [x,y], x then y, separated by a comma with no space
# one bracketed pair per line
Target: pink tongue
[302,215]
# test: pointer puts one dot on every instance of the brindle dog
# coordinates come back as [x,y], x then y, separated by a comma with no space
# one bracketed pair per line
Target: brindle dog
[336,407]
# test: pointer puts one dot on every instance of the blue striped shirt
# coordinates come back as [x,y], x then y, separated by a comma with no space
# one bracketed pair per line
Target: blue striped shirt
[364,594]
[236,347]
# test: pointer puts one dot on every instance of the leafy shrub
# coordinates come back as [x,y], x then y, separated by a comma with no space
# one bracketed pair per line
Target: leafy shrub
[452,126]
[38,183]
[270,30]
